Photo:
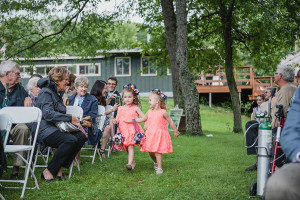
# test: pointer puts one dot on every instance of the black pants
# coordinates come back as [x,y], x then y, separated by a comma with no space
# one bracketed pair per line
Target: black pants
[251,136]
[67,146]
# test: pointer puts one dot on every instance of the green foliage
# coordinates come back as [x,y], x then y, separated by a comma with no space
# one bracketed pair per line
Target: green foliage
[226,105]
[204,168]
[246,107]
[203,101]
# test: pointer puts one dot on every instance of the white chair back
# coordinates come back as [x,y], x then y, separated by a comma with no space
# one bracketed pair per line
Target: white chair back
[23,115]
[76,111]
[100,117]
[5,126]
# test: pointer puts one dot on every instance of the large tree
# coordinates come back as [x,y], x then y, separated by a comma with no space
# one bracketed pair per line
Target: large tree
[191,102]
[262,30]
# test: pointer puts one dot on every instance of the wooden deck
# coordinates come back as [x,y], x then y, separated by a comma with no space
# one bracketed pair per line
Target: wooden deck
[215,82]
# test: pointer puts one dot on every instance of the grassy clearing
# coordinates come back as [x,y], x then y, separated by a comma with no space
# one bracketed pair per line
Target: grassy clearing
[199,168]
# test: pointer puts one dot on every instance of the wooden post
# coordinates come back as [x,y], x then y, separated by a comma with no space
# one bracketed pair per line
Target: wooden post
[209,99]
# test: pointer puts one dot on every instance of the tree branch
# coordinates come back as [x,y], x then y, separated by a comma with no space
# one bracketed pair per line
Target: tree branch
[53,34]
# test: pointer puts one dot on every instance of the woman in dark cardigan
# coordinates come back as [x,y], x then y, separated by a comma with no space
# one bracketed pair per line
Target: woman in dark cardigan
[53,110]
[89,105]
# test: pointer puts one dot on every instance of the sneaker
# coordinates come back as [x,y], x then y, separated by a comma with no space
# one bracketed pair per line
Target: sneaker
[252,167]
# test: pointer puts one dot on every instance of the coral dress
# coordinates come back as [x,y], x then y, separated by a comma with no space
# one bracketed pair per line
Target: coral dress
[158,139]
[127,129]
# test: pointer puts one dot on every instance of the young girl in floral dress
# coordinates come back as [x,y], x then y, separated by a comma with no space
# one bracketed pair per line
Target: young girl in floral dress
[128,111]
[158,140]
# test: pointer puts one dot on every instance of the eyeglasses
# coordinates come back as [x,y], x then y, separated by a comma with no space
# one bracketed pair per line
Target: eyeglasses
[16,73]
[276,73]
[111,84]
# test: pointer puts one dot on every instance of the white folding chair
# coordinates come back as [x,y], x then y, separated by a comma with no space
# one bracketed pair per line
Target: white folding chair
[23,115]
[101,120]
[108,107]
[5,126]
[77,111]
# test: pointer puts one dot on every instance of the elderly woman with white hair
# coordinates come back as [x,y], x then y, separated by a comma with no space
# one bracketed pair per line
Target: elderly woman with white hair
[89,105]
[33,89]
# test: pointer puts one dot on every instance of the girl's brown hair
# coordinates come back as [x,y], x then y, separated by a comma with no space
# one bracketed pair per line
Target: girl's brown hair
[136,99]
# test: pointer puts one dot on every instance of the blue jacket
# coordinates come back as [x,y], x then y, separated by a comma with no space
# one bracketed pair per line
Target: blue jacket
[90,108]
[52,107]
[290,136]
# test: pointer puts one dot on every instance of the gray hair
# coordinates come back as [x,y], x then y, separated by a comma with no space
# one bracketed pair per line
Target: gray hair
[81,80]
[7,66]
[31,82]
[288,72]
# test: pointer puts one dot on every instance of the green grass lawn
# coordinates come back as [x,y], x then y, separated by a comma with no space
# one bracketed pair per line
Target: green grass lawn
[199,168]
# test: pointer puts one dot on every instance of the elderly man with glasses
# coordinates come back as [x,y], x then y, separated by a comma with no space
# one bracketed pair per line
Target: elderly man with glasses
[12,93]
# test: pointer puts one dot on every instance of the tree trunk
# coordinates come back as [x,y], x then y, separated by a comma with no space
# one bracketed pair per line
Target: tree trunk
[170,29]
[191,102]
[226,19]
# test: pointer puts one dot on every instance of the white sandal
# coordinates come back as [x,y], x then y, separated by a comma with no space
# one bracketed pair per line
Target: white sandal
[155,166]
[159,170]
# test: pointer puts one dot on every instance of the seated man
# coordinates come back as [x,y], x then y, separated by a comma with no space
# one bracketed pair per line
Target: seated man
[285,182]
[284,78]
[17,96]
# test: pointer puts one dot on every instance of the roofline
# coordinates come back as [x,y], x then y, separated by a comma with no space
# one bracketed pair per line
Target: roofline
[59,57]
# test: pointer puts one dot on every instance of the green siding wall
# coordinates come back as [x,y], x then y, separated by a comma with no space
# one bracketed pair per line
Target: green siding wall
[144,83]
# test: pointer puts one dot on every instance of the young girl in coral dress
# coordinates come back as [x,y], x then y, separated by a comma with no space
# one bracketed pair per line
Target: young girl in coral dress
[158,140]
[128,111]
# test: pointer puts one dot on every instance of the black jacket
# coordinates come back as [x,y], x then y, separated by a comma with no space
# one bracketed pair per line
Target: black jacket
[16,96]
[52,107]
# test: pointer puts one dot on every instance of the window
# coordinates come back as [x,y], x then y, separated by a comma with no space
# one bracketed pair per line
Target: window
[147,67]
[43,70]
[89,69]
[25,71]
[169,72]
[122,66]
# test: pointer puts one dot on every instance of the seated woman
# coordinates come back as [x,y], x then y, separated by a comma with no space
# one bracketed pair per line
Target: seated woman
[53,110]
[99,90]
[256,111]
[252,131]
[33,89]
[89,105]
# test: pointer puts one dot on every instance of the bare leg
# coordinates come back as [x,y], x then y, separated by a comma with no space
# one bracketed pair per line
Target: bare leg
[59,173]
[159,163]
[105,137]
[130,153]
[78,159]
[153,157]
[47,174]
[112,129]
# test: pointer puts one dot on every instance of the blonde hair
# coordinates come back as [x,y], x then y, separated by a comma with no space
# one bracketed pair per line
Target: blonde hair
[58,74]
[136,100]
[160,99]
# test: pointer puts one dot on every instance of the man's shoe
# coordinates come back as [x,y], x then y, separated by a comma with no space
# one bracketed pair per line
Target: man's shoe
[252,167]
[15,176]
